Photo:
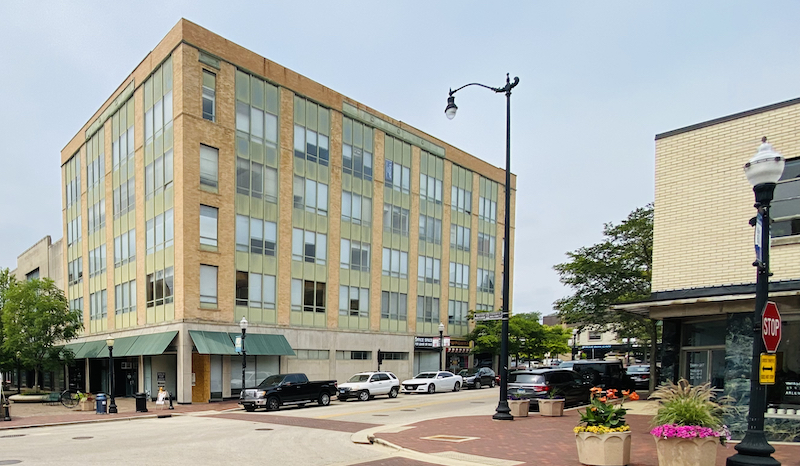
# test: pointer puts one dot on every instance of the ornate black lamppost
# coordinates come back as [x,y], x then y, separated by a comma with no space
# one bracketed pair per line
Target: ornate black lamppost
[503,413]
[763,172]
[441,344]
[243,326]
[112,408]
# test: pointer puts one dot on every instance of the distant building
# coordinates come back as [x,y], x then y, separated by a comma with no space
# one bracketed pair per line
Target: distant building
[590,343]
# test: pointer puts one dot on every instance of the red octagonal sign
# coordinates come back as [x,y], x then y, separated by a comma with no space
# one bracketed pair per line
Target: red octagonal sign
[771,327]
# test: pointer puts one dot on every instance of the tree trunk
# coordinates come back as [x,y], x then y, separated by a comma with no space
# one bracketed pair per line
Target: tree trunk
[36,378]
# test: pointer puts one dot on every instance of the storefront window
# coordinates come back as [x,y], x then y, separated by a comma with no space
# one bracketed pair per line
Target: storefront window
[709,333]
[703,352]
[785,394]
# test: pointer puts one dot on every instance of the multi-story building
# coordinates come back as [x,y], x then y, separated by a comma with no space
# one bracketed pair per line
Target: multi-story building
[215,185]
[703,278]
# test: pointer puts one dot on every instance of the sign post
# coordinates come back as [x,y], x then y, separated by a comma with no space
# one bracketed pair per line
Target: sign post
[771,327]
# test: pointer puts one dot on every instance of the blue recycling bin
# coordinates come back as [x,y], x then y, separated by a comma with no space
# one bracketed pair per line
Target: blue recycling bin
[102,402]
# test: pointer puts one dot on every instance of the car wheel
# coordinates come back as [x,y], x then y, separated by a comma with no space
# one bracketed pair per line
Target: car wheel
[249,409]
[324,399]
[273,403]
[363,395]
[393,392]
[431,388]
[492,384]
[477,384]
[457,387]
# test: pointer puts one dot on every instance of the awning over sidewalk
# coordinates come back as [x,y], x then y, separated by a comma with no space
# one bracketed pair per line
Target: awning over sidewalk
[259,344]
[212,342]
[149,345]
[121,347]
[90,349]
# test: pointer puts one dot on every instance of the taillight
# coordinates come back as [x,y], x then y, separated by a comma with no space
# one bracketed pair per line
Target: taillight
[541,388]
[645,376]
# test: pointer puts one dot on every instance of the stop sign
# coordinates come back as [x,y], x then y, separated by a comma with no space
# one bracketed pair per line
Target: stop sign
[771,327]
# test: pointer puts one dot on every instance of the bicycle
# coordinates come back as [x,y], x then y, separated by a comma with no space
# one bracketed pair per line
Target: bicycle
[70,398]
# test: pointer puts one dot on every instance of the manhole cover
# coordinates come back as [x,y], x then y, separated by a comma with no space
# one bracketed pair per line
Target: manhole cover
[81,438]
[263,428]
[381,415]
[11,436]
[10,461]
[449,438]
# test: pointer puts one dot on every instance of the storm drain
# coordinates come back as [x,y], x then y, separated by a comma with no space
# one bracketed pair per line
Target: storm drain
[409,410]
[264,428]
[12,436]
[10,461]
[81,438]
[454,455]
[381,415]
[450,438]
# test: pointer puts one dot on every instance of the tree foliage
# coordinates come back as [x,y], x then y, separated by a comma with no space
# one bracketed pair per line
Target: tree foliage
[36,317]
[526,337]
[6,359]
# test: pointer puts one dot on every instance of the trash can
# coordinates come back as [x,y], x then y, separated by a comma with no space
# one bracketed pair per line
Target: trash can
[141,402]
[101,403]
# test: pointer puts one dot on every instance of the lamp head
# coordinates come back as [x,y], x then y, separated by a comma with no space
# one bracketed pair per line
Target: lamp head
[451,108]
[766,166]
[243,324]
[441,327]
[110,342]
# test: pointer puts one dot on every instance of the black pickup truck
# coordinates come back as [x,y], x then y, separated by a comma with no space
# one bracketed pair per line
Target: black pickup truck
[283,389]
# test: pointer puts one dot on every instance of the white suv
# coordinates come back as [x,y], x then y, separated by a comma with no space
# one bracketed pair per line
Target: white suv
[366,385]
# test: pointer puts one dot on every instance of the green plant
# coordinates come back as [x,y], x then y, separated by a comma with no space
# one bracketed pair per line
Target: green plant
[554,393]
[603,416]
[686,405]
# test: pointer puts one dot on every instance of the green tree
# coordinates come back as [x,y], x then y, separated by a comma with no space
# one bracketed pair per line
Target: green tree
[36,317]
[526,337]
[6,358]
[614,271]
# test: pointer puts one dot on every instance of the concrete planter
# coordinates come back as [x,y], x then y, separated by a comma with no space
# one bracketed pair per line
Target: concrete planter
[613,449]
[687,451]
[553,407]
[519,408]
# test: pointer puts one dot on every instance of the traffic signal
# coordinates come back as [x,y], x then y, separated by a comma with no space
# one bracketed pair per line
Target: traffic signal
[380,357]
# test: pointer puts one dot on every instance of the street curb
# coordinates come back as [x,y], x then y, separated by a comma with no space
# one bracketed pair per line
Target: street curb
[92,421]
[419,456]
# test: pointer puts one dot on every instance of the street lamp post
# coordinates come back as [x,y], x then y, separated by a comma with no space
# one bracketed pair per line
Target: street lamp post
[112,408]
[503,413]
[243,326]
[441,344]
[763,172]
[19,374]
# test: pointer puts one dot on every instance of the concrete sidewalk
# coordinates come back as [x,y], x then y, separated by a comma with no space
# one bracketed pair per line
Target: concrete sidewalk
[535,440]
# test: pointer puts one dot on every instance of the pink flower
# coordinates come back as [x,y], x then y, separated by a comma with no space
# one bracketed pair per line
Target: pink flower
[678,431]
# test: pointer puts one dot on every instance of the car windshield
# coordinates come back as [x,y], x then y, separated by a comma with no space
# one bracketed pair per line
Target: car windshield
[271,380]
[426,375]
[566,365]
[525,378]
[359,378]
[467,372]
[638,369]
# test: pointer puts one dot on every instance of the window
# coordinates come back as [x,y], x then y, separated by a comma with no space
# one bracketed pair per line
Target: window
[125,297]
[122,159]
[209,166]
[595,335]
[397,177]
[97,260]
[208,284]
[394,305]
[311,129]
[255,235]
[159,287]
[97,216]
[160,232]
[309,246]
[124,197]
[461,200]
[459,275]
[483,307]
[353,301]
[125,248]
[95,171]
[485,281]
[72,172]
[98,303]
[360,355]
[486,243]
[355,255]
[255,290]
[460,237]
[32,275]
[487,210]
[158,130]
[74,230]
[256,180]
[257,121]
[356,208]
[428,269]
[457,312]
[311,195]
[357,142]
[395,356]
[209,95]
[430,229]
[76,305]
[395,263]
[308,296]
[785,212]
[427,309]
[312,354]
[158,175]
[75,271]
[208,225]
[395,219]
[430,188]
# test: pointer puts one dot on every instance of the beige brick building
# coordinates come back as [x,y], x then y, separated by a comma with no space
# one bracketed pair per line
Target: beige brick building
[215,185]
[703,285]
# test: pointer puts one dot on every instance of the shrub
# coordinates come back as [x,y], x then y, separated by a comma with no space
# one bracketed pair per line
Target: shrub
[688,411]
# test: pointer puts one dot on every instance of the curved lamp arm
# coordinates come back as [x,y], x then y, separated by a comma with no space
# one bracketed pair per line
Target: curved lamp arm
[451,108]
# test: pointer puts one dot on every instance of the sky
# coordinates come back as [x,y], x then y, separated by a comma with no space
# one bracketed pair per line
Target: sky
[598,81]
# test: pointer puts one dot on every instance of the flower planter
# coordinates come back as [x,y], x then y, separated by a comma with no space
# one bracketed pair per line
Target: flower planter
[551,407]
[612,449]
[687,451]
[519,408]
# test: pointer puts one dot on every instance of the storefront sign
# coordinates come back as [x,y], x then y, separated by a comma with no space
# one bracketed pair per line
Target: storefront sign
[792,388]
[424,342]
[161,378]
[766,369]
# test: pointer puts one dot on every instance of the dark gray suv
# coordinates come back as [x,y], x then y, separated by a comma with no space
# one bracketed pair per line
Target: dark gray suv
[477,377]
[605,374]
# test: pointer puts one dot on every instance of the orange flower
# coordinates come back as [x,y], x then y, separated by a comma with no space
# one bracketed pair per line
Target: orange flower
[626,392]
[596,390]
[603,399]
[594,409]
[634,396]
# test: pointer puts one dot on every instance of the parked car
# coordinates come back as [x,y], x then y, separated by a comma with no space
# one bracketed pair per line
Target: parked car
[605,374]
[430,382]
[640,374]
[542,383]
[366,385]
[551,362]
[478,377]
[280,389]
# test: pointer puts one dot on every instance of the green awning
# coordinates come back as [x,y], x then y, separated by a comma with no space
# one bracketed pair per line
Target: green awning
[121,347]
[90,349]
[75,347]
[148,345]
[212,342]
[259,344]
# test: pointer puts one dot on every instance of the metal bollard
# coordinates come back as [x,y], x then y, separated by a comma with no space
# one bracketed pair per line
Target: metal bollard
[6,415]
[170,401]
